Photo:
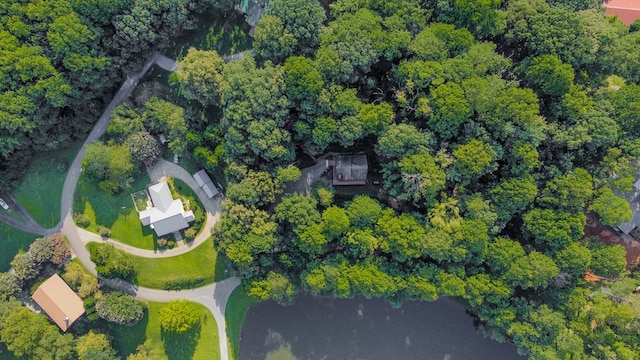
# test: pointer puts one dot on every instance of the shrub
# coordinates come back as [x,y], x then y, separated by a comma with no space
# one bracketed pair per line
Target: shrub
[179,316]
[61,251]
[162,242]
[182,284]
[120,308]
[41,250]
[190,234]
[23,267]
[171,244]
[8,285]
[111,262]
[104,232]
[82,220]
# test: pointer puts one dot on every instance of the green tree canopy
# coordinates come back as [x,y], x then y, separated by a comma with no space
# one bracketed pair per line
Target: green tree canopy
[179,316]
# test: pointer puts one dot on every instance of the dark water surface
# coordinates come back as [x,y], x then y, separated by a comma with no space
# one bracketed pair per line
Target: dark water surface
[316,328]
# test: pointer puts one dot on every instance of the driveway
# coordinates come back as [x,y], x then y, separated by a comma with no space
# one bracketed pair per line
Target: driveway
[214,297]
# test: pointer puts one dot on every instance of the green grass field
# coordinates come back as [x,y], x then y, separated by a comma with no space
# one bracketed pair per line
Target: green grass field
[200,343]
[116,212]
[196,268]
[12,240]
[235,313]
[41,190]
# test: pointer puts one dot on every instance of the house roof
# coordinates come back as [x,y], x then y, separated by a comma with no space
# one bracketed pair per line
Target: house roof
[161,196]
[350,169]
[171,224]
[167,214]
[628,11]
[204,181]
[59,301]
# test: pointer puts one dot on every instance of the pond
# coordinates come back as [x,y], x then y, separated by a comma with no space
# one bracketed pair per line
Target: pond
[319,328]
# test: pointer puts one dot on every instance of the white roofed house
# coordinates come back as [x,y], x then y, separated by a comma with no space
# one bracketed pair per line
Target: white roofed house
[167,214]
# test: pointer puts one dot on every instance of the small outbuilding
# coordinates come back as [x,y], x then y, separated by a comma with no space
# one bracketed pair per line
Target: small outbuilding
[59,301]
[350,169]
[204,181]
[167,214]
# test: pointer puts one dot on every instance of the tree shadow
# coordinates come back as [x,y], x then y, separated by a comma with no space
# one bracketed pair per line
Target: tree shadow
[221,271]
[126,339]
[181,346]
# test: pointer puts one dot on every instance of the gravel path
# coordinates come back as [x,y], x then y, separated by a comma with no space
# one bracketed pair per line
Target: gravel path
[27,223]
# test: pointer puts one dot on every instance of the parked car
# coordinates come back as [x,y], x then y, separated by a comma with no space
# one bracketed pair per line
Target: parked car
[4,204]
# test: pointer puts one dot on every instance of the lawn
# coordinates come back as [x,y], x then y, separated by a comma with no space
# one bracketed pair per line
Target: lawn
[41,190]
[224,33]
[199,343]
[12,240]
[118,213]
[196,268]
[115,212]
[235,313]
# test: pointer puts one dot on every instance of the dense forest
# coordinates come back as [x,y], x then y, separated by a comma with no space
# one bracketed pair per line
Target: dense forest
[60,61]
[497,126]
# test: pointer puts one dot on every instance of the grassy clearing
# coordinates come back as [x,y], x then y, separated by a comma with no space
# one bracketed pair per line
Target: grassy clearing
[200,343]
[193,269]
[235,313]
[41,190]
[115,212]
[118,213]
[12,240]
[224,33]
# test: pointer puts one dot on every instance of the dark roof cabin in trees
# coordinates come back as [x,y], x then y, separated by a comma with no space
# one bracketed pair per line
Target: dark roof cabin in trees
[350,169]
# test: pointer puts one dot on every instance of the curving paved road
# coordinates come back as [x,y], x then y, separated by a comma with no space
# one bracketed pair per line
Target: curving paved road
[214,296]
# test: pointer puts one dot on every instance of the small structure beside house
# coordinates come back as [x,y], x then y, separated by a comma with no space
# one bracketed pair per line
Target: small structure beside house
[204,181]
[167,214]
[627,11]
[59,301]
[252,11]
[633,198]
[349,169]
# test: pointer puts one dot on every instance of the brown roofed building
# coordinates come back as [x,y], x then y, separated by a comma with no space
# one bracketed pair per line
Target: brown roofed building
[350,169]
[59,301]
[627,11]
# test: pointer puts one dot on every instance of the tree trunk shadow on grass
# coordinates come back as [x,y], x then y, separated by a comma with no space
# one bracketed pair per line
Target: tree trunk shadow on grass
[181,346]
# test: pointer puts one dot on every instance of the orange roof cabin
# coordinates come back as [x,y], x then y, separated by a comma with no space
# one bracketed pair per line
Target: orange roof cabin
[627,11]
[59,301]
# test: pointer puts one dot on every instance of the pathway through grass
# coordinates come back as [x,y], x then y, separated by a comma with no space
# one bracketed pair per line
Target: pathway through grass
[41,190]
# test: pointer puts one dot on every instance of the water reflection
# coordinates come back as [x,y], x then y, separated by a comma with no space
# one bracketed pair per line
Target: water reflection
[359,329]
